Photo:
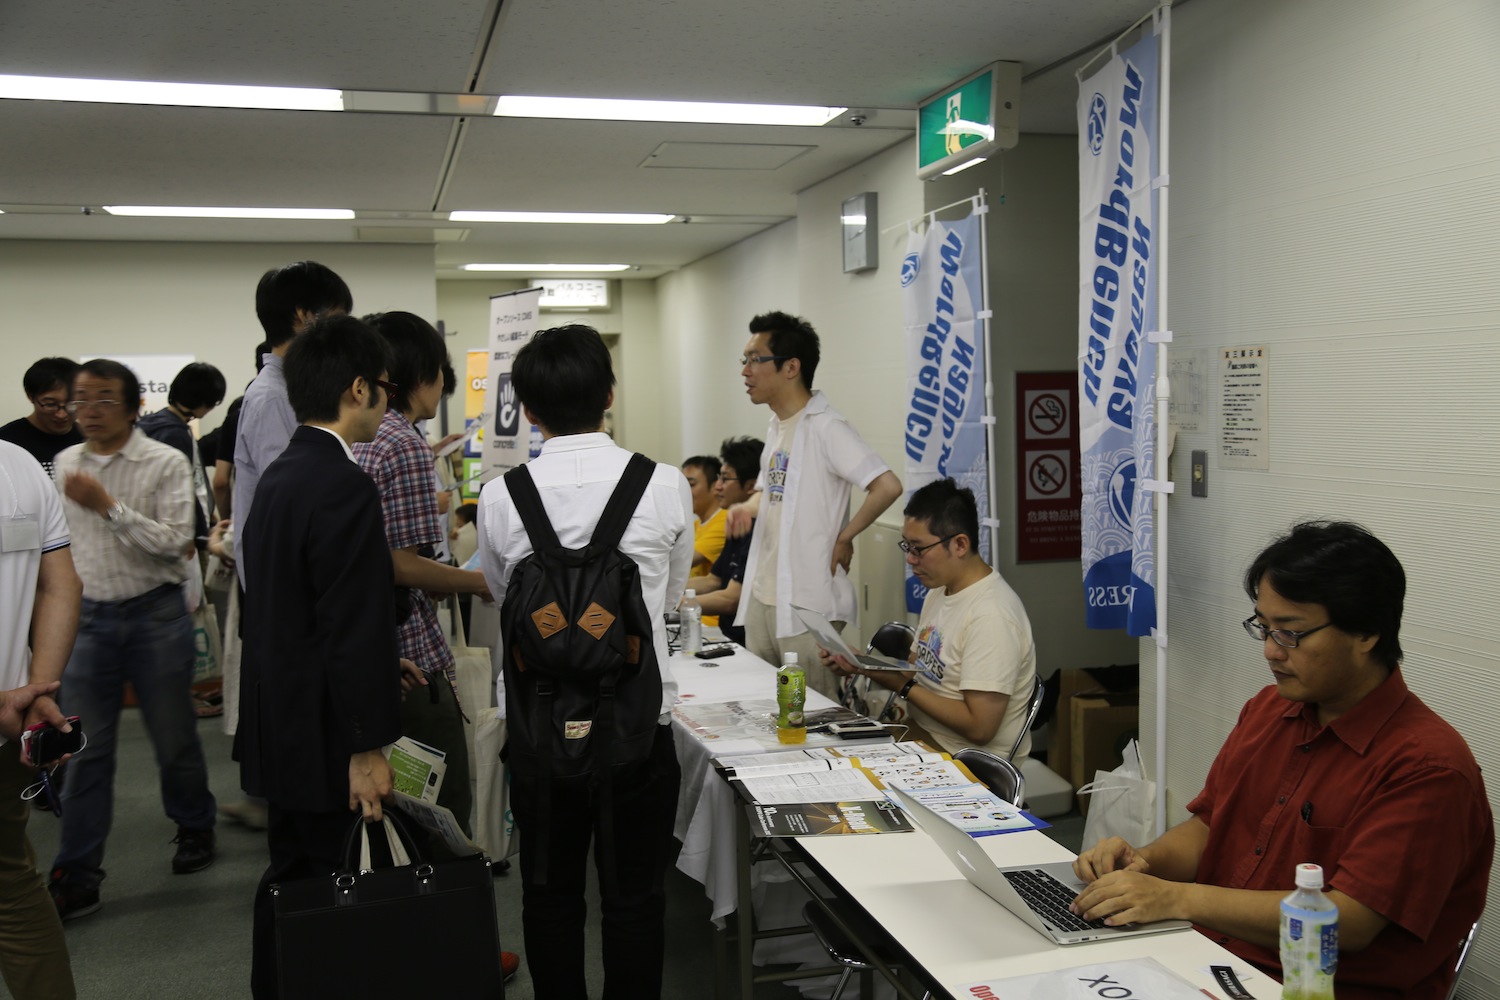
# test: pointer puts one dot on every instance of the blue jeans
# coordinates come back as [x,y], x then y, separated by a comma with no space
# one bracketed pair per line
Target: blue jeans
[148,642]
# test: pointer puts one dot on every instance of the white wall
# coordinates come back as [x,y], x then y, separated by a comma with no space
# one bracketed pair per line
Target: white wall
[1335,172]
[74,298]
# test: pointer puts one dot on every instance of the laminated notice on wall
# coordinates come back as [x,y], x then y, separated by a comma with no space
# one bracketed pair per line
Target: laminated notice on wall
[1244,411]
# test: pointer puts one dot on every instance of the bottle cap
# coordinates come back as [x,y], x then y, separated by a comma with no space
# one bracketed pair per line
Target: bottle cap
[788,659]
[1309,876]
[690,595]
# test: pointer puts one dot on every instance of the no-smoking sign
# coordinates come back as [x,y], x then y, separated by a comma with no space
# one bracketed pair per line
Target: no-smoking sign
[1048,414]
[1047,475]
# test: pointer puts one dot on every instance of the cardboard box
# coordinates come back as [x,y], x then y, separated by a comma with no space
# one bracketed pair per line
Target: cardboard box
[1101,725]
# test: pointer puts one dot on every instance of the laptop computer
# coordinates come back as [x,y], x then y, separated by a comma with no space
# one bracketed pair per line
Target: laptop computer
[829,639]
[1038,894]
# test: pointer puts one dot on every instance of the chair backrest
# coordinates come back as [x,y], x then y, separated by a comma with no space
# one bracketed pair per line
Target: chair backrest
[999,775]
[1038,689]
[1463,956]
[893,639]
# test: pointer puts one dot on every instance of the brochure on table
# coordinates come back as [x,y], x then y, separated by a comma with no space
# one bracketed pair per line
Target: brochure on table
[749,727]
[1129,977]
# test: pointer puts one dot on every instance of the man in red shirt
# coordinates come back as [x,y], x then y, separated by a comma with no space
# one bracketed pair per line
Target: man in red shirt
[1336,763]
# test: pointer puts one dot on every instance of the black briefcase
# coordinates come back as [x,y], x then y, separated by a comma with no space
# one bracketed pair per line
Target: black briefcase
[419,924]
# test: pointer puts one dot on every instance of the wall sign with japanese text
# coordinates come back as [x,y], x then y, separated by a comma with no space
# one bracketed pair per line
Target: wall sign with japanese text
[1047,494]
[1244,431]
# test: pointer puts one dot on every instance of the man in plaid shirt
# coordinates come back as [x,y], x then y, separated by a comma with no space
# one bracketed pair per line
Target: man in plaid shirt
[400,461]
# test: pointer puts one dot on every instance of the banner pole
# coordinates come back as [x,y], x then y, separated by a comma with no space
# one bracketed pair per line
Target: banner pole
[1163,414]
[981,206]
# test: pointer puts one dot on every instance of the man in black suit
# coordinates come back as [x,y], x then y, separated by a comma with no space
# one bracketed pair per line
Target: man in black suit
[321,684]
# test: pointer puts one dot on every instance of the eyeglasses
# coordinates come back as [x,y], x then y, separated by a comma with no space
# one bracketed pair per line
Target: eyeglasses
[389,387]
[74,405]
[760,359]
[917,550]
[1281,636]
[50,406]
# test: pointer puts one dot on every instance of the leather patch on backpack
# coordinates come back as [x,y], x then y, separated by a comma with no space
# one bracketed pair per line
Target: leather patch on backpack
[596,621]
[549,620]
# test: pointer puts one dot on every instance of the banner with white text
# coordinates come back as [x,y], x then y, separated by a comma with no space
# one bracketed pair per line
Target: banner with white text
[508,440]
[1117,128]
[943,431]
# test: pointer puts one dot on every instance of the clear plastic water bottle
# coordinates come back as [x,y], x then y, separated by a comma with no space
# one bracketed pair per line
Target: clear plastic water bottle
[691,616]
[1309,939]
[791,696]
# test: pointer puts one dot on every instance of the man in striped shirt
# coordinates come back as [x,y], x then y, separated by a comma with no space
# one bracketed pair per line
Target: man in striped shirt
[130,513]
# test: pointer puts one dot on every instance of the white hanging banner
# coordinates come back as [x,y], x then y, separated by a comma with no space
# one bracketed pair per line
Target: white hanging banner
[1118,108]
[509,440]
[943,432]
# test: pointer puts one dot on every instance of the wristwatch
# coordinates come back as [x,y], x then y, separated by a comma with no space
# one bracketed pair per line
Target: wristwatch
[906,689]
[115,512]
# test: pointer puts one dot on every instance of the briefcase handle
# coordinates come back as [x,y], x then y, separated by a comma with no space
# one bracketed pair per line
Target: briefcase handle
[398,821]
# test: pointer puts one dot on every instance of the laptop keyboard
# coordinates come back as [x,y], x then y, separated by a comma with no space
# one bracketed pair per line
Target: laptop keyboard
[1049,898]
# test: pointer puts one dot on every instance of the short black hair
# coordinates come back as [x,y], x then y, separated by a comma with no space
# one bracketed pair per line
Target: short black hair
[130,386]
[417,352]
[450,377]
[1344,568]
[790,337]
[305,284]
[564,377]
[198,384]
[326,360]
[261,350]
[743,455]
[46,374]
[467,512]
[708,463]
[947,508]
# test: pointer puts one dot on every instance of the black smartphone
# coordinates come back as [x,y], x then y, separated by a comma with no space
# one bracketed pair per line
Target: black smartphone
[715,653]
[45,744]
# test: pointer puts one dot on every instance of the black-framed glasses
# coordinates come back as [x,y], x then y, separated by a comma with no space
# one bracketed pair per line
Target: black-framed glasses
[760,359]
[917,550]
[1281,636]
[389,387]
[74,405]
[51,406]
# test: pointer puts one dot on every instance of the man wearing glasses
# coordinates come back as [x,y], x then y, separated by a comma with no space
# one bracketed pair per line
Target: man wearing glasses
[803,537]
[130,514]
[719,588]
[1335,763]
[48,428]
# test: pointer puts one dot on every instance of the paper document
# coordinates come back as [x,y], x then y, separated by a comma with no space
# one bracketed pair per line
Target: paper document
[440,821]
[419,768]
[975,809]
[827,818]
[1129,977]
[851,785]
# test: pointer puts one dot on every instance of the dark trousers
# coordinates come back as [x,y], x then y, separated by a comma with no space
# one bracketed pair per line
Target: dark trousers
[644,805]
[302,845]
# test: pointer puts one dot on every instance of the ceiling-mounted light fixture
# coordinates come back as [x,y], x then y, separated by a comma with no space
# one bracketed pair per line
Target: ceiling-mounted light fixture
[536,268]
[607,109]
[586,218]
[180,212]
[191,95]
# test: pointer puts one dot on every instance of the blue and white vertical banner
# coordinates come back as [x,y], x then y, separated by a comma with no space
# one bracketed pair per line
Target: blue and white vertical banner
[1118,109]
[509,439]
[943,433]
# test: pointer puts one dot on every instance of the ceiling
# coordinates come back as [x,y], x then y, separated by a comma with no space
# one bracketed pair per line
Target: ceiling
[402,173]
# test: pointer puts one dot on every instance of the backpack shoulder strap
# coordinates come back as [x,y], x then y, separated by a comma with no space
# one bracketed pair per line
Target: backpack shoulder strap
[529,505]
[623,502]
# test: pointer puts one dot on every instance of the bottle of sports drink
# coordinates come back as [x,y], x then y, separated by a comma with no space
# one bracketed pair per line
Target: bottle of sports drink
[690,614]
[791,696]
[1309,939]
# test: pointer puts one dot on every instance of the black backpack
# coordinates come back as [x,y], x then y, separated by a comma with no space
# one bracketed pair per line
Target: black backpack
[582,684]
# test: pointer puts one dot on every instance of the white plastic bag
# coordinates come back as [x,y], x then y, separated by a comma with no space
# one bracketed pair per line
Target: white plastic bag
[1121,804]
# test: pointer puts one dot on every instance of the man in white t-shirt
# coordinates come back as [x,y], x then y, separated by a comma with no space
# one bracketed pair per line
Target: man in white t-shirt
[803,537]
[975,659]
[39,599]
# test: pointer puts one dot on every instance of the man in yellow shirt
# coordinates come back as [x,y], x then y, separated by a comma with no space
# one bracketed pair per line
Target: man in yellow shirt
[702,472]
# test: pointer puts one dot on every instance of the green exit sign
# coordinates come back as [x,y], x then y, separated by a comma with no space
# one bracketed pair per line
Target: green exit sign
[969,120]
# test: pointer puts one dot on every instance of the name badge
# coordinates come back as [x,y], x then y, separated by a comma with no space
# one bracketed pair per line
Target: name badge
[20,533]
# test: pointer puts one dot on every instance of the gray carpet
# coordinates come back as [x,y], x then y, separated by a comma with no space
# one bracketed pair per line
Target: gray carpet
[161,936]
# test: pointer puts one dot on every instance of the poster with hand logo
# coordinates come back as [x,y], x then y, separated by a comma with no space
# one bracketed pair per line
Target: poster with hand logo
[508,439]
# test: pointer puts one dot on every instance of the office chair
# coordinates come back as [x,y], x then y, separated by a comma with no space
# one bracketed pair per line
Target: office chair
[1038,689]
[893,639]
[998,774]
[844,950]
[1463,956]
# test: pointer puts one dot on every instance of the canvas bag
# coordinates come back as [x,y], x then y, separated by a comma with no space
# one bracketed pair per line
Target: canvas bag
[494,826]
[583,688]
[208,652]
[1121,804]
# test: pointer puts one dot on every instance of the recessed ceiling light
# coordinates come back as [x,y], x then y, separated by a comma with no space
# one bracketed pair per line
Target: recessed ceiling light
[529,268]
[965,165]
[594,218]
[177,212]
[664,111]
[196,95]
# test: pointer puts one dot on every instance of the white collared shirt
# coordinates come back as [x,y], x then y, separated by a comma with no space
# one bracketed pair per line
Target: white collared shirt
[575,475]
[26,494]
[144,546]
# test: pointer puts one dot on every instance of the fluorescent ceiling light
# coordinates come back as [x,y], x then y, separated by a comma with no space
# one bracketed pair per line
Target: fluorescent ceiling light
[528,268]
[195,95]
[965,165]
[664,111]
[176,212]
[595,218]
